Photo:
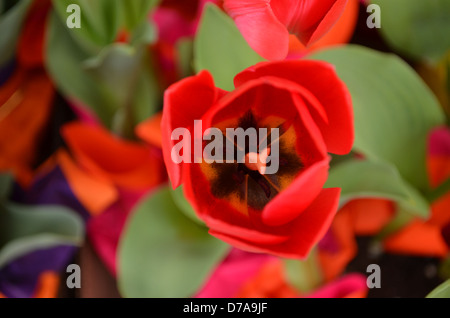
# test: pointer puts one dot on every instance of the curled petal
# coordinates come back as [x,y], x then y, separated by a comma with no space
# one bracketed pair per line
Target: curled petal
[321,80]
[298,196]
[184,102]
[304,232]
[260,27]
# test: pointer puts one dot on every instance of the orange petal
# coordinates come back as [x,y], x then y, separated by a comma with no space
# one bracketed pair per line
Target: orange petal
[369,216]
[150,131]
[334,263]
[418,238]
[269,282]
[47,286]
[125,164]
[438,169]
[26,103]
[95,195]
[440,212]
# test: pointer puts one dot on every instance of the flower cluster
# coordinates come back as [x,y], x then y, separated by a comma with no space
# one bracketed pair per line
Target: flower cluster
[223,148]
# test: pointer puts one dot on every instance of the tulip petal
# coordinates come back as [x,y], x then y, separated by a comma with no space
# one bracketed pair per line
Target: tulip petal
[349,286]
[247,234]
[31,44]
[150,131]
[322,81]
[308,19]
[418,238]
[95,195]
[26,102]
[341,248]
[185,102]
[260,94]
[304,232]
[134,168]
[370,216]
[325,23]
[260,27]
[229,277]
[298,196]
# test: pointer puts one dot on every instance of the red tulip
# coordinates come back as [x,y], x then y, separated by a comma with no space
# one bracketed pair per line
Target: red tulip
[266,24]
[285,213]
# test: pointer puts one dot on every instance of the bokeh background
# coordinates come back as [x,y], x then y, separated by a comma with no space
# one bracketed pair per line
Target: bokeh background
[80,153]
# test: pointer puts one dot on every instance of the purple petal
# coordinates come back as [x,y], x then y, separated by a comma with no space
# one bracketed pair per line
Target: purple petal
[19,278]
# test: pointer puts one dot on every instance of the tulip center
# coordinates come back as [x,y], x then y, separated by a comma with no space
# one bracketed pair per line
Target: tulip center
[245,183]
[257,161]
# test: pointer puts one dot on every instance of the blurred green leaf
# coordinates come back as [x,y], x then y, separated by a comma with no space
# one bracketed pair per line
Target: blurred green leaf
[304,275]
[117,84]
[10,26]
[163,253]
[185,50]
[144,34]
[220,48]
[184,206]
[125,73]
[6,180]
[442,291]
[394,110]
[64,62]
[136,11]
[24,229]
[417,28]
[100,22]
[365,179]
[117,67]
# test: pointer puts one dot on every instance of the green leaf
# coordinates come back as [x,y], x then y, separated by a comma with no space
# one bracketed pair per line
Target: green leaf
[100,22]
[135,11]
[442,291]
[394,110]
[417,28]
[365,179]
[184,206]
[117,84]
[163,253]
[64,62]
[304,275]
[116,66]
[24,229]
[185,50]
[125,73]
[220,48]
[6,180]
[144,34]
[10,25]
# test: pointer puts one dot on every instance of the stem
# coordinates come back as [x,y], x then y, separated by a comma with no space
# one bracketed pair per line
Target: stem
[439,192]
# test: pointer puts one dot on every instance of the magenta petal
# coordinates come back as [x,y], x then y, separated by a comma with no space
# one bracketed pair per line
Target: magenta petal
[352,283]
[229,277]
